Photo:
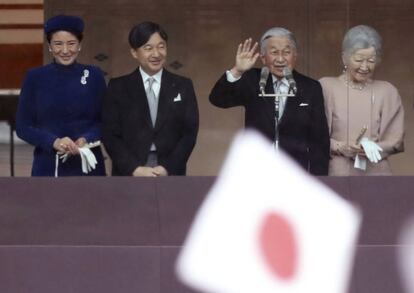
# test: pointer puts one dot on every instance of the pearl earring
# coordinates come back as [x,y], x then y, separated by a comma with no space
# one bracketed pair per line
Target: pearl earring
[50,50]
[345,68]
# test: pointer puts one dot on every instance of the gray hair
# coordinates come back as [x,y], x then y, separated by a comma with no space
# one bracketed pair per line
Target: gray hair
[361,37]
[277,32]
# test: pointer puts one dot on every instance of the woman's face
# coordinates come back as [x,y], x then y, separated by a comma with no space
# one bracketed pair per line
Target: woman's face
[361,64]
[65,47]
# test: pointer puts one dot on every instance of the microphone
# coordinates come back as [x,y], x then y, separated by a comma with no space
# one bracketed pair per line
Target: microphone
[292,83]
[264,73]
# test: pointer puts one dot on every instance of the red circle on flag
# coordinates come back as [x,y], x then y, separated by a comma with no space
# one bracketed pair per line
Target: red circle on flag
[278,246]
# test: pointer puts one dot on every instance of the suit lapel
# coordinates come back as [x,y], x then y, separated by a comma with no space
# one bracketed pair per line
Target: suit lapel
[292,102]
[165,98]
[270,102]
[136,91]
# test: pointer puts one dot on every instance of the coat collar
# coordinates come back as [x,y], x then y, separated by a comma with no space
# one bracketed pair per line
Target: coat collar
[167,92]
[145,76]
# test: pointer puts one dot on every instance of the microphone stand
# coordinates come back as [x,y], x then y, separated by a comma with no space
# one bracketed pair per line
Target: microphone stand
[276,97]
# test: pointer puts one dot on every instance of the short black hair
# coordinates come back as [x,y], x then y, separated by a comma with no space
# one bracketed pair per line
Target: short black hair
[78,35]
[142,32]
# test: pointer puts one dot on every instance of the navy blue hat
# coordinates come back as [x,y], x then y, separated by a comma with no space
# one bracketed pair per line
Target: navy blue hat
[64,23]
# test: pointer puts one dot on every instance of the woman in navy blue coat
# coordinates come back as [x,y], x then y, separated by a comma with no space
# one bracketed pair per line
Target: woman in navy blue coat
[60,105]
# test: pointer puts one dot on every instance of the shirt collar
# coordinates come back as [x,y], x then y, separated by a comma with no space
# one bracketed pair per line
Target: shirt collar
[156,76]
[283,80]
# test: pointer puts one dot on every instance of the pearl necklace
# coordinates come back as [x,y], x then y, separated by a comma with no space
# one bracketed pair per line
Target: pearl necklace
[355,86]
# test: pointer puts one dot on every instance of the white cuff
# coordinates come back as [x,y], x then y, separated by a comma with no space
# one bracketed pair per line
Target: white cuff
[230,77]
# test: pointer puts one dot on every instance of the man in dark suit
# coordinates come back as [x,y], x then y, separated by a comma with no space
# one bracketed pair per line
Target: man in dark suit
[302,128]
[150,117]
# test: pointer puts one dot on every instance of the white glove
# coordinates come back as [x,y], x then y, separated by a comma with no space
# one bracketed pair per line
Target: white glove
[88,160]
[371,149]
[64,157]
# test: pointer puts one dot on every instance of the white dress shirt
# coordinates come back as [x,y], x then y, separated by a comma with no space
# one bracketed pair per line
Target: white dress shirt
[156,87]
[280,87]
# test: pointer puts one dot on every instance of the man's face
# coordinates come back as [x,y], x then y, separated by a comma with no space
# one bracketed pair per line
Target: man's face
[152,55]
[279,53]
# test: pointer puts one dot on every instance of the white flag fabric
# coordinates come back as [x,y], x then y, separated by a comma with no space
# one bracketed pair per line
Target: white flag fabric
[406,255]
[267,226]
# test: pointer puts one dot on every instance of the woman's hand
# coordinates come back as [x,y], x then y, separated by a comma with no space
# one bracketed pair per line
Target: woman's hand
[80,142]
[348,150]
[66,146]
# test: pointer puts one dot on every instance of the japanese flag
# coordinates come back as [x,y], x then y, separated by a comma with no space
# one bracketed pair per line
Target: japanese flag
[266,226]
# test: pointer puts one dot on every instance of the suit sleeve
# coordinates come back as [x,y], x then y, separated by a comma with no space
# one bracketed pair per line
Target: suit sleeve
[186,143]
[319,136]
[227,94]
[26,119]
[391,136]
[114,143]
[335,145]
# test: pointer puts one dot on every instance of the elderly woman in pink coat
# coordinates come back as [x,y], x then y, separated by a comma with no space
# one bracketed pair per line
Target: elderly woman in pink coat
[365,116]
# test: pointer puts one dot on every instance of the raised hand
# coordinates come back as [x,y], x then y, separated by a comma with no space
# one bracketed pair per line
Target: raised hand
[246,57]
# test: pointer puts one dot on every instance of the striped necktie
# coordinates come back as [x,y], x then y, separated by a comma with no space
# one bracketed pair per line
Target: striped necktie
[152,100]
[281,88]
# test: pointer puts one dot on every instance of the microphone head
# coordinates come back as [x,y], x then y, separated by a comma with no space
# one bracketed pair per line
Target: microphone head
[288,75]
[264,73]
[287,72]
